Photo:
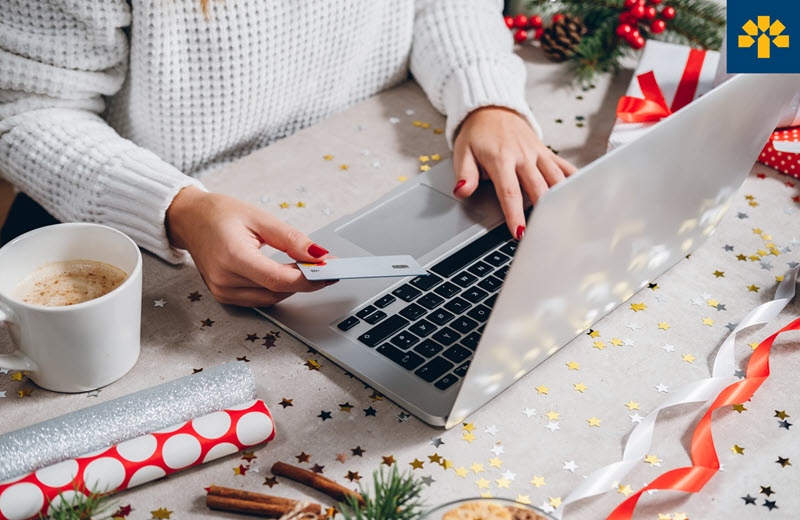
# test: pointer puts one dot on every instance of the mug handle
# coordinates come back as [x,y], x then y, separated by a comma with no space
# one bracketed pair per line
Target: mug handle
[15,360]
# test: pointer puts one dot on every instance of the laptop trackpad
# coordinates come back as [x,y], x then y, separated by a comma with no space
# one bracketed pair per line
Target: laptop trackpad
[413,223]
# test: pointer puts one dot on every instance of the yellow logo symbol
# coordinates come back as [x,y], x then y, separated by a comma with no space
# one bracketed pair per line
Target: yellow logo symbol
[764,41]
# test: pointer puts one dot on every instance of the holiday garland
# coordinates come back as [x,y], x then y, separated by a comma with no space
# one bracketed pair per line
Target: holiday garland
[593,35]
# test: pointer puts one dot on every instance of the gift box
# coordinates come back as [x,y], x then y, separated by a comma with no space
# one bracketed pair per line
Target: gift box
[667,78]
[782,151]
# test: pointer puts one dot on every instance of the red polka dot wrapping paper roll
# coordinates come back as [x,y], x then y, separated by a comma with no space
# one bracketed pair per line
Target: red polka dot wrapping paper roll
[139,460]
[784,162]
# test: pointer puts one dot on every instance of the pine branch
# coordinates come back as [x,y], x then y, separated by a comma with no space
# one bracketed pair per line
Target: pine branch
[82,505]
[395,496]
[711,12]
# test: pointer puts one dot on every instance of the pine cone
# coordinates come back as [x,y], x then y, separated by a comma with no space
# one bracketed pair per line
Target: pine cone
[560,38]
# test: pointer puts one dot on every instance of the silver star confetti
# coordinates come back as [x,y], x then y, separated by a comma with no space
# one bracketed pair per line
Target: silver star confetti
[570,466]
[159,303]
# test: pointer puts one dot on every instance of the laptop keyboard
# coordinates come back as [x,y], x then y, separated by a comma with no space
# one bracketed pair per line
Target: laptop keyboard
[437,330]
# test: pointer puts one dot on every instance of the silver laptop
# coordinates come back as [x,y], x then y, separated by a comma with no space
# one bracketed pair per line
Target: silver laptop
[492,309]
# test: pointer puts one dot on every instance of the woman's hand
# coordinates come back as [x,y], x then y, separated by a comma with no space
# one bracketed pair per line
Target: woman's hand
[498,144]
[224,235]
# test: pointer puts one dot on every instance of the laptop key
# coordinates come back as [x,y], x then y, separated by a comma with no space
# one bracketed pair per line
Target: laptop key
[349,323]
[490,300]
[490,284]
[428,348]
[406,292]
[434,369]
[383,330]
[423,283]
[440,317]
[422,328]
[446,336]
[447,290]
[430,301]
[480,268]
[412,312]
[407,360]
[463,324]
[497,259]
[404,340]
[502,272]
[465,279]
[446,382]
[366,311]
[461,371]
[471,340]
[457,353]
[480,313]
[510,248]
[385,301]
[457,305]
[472,251]
[475,294]
[375,317]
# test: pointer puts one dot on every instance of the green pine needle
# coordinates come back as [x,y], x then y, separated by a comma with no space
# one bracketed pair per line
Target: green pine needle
[83,505]
[395,496]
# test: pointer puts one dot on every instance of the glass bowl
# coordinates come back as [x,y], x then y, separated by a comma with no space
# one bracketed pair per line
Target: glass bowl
[438,512]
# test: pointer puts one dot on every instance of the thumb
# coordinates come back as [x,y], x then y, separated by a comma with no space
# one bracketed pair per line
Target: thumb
[284,237]
[467,173]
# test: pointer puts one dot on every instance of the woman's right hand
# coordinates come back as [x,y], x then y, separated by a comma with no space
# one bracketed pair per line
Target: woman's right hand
[224,236]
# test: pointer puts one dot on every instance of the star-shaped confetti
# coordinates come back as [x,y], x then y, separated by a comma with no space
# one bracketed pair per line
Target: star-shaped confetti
[17,376]
[708,321]
[538,481]
[663,325]
[599,345]
[632,405]
[573,365]
[638,307]
[594,421]
[552,426]
[312,365]
[270,481]
[324,415]
[416,464]
[286,403]
[482,483]
[161,513]
[748,500]
[739,408]
[736,449]
[462,472]
[495,462]
[346,407]
[580,387]
[688,358]
[570,466]
[353,476]
[388,460]
[318,469]
[241,470]
[437,441]
[467,436]
[662,388]
[476,468]
[541,389]
[653,460]
[25,392]
[529,412]
[358,451]
[370,412]
[781,414]
[783,461]
[303,457]
[502,482]
[766,490]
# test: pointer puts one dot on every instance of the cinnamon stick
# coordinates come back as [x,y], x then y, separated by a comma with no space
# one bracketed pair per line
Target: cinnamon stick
[238,501]
[241,494]
[316,481]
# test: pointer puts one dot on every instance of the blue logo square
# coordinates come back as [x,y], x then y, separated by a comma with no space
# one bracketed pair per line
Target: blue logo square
[763,36]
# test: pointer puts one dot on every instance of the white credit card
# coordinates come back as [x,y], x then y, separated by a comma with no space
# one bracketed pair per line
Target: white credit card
[362,267]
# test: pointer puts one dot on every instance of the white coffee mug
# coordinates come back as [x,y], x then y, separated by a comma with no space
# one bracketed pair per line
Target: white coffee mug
[80,347]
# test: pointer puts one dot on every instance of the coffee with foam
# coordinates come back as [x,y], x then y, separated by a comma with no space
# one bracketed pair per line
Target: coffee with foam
[69,282]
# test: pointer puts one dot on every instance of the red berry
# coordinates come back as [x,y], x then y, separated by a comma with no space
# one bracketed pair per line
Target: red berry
[535,21]
[650,13]
[557,17]
[658,26]
[509,22]
[627,18]
[637,43]
[624,30]
[521,35]
[637,11]
[667,12]
[633,36]
[520,21]
[655,2]
[539,33]
[629,3]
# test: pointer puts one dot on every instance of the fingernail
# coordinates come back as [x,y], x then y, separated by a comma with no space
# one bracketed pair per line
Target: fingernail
[520,232]
[459,184]
[331,282]
[316,251]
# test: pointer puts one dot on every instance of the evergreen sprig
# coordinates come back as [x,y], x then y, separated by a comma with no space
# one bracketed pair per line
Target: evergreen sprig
[395,496]
[82,505]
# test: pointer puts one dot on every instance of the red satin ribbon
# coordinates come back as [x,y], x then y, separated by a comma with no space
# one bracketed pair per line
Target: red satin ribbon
[704,457]
[654,107]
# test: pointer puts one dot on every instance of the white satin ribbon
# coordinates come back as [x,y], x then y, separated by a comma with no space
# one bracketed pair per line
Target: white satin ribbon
[603,479]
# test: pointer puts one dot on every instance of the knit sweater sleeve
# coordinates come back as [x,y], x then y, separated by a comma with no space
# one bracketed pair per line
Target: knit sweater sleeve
[462,56]
[57,62]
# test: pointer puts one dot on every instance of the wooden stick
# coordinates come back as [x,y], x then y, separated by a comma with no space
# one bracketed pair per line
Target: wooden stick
[249,496]
[316,481]
[225,499]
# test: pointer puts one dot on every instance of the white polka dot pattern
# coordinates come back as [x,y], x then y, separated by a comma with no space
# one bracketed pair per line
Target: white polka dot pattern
[788,163]
[139,460]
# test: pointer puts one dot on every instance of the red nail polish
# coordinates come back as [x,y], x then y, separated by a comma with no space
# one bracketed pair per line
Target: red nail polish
[459,184]
[520,232]
[316,251]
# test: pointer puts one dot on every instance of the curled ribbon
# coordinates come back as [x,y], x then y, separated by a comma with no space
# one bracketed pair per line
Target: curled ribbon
[704,390]
[654,107]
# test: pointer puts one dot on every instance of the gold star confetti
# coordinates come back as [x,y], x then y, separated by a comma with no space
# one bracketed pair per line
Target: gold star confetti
[417,123]
[741,257]
[482,483]
[761,252]
[737,449]
[446,464]
[664,516]
[573,365]
[301,204]
[753,345]
[753,203]
[424,158]
[625,490]
[652,460]
[753,288]
[739,408]
[552,415]
[402,178]
[495,462]
[388,460]
[424,167]
[541,389]
[486,494]
[523,499]
[470,427]
[555,501]
[594,421]
[25,392]
[754,258]
[17,376]
[712,303]
[599,345]
[756,231]
[375,396]
[783,461]
[779,278]
[425,125]
[162,513]
[594,333]
[782,415]
[344,167]
[437,130]
[632,405]
[616,342]
[435,458]
[435,156]
[688,358]
[476,468]
[327,157]
[462,472]
[638,307]
[312,365]
[538,481]
[284,205]
[580,387]
[719,274]
[663,325]
[417,464]
[469,437]
[346,407]
[503,482]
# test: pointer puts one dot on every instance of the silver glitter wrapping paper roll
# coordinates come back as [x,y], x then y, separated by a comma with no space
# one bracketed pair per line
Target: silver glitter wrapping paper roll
[112,422]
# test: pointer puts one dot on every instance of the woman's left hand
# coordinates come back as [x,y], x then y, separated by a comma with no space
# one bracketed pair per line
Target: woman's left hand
[496,143]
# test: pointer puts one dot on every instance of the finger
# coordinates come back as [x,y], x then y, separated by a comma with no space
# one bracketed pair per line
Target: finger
[249,296]
[532,181]
[467,175]
[283,237]
[550,170]
[274,276]
[506,184]
[567,167]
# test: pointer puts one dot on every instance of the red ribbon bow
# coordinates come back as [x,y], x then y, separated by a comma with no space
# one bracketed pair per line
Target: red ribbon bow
[654,107]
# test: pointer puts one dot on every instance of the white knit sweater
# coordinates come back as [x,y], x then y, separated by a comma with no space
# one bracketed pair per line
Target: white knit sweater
[108,107]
